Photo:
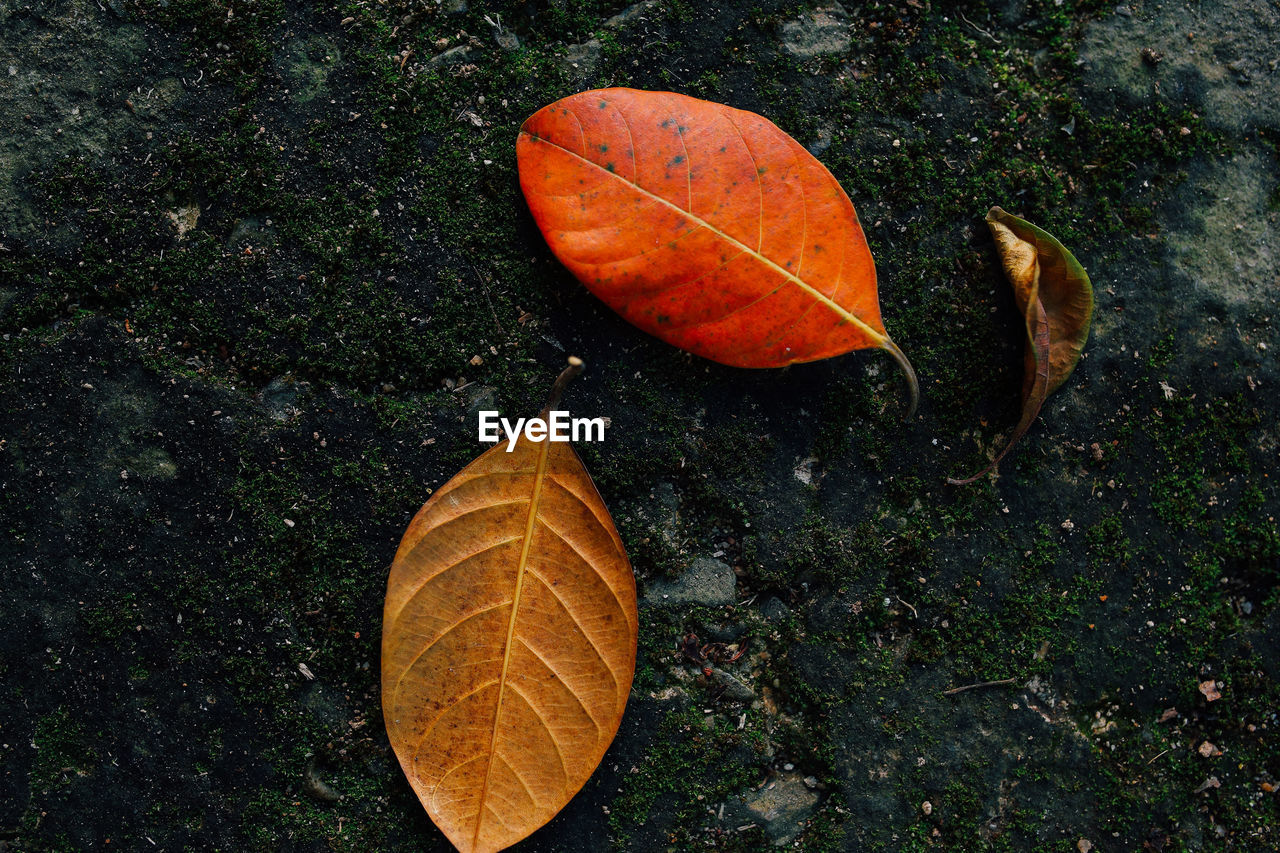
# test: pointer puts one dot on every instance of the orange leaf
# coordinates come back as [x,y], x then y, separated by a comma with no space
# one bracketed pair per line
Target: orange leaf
[704,225]
[508,642]
[1056,299]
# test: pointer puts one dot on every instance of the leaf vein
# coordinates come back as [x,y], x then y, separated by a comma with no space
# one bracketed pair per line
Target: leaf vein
[395,691]
[566,540]
[564,684]
[564,768]
[427,581]
[591,645]
[519,778]
[812,291]
[435,791]
[755,170]
[635,164]
[688,162]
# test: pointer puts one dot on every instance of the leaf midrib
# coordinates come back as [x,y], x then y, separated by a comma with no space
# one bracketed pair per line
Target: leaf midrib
[816,294]
[534,500]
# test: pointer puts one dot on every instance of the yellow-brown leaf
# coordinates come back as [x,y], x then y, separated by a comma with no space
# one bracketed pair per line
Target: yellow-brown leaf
[508,644]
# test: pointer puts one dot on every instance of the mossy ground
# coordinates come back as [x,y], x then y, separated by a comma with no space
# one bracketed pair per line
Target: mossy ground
[186,538]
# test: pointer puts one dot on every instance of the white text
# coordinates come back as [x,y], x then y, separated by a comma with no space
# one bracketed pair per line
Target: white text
[558,427]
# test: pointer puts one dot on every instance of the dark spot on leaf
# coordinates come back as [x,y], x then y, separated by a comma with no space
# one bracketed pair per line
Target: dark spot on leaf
[604,105]
[676,160]
[761,170]
[609,166]
[603,148]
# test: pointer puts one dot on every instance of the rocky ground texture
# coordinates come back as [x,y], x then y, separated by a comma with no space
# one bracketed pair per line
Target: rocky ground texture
[261,263]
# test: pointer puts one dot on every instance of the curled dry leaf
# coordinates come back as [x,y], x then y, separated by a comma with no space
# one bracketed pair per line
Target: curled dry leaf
[704,225]
[508,642]
[1053,293]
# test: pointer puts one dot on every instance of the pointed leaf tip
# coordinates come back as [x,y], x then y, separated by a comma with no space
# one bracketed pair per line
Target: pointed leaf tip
[762,261]
[908,373]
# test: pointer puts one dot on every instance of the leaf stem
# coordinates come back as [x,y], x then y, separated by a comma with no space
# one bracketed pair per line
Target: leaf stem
[908,372]
[562,381]
[1033,398]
